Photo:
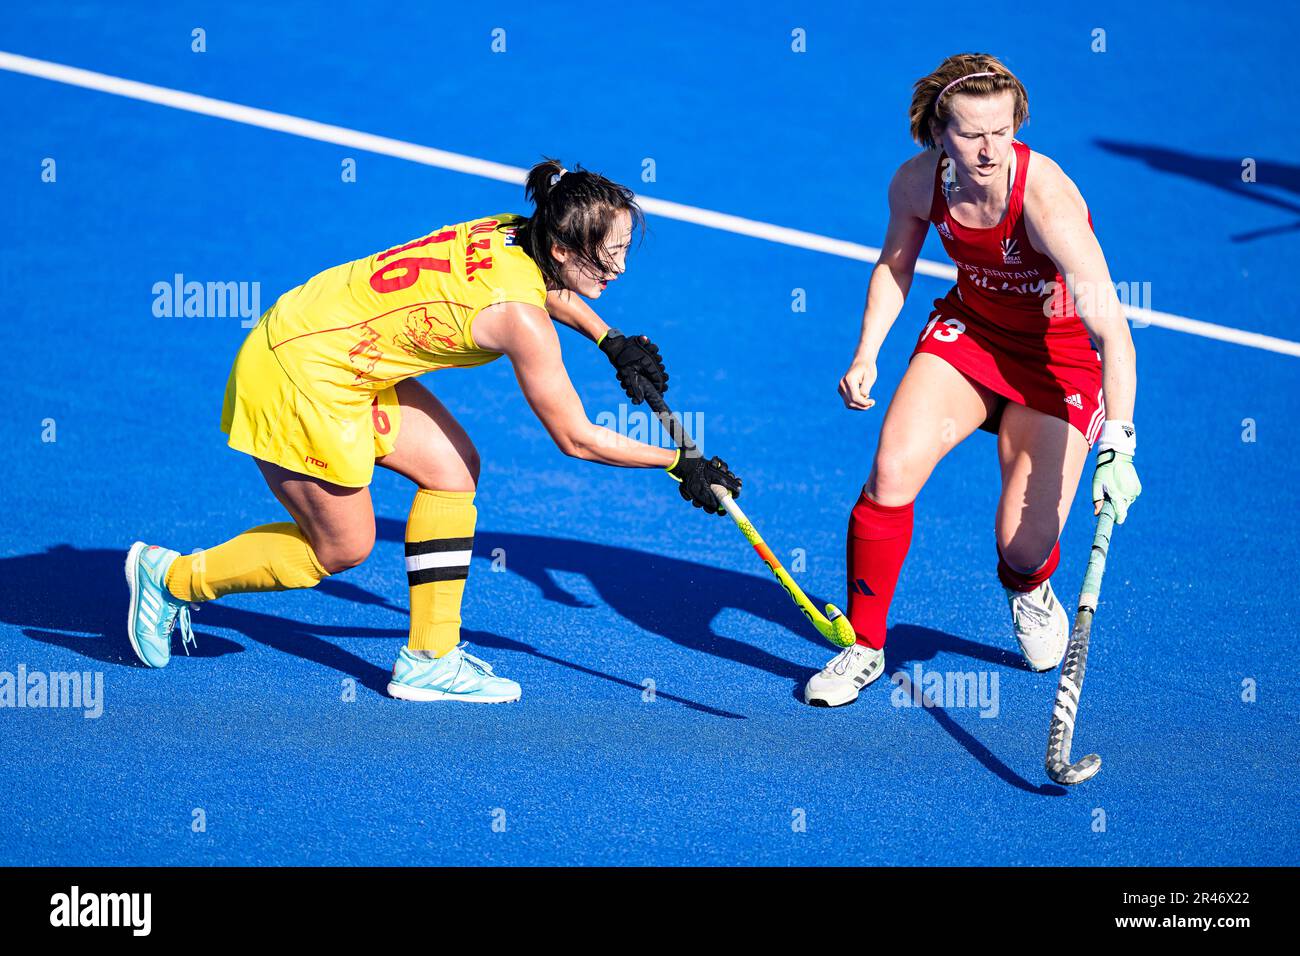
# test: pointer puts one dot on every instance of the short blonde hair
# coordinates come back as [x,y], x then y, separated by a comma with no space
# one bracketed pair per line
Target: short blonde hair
[929,108]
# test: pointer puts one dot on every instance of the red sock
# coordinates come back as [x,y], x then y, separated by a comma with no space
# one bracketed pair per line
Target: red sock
[1016,581]
[877,544]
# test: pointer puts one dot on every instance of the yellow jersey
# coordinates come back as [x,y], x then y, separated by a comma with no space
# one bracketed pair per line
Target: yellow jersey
[313,388]
[370,323]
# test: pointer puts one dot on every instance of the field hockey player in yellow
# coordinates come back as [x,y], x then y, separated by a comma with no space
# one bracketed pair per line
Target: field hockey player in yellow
[324,388]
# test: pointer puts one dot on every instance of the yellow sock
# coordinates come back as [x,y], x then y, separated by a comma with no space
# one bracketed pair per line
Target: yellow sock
[270,557]
[439,539]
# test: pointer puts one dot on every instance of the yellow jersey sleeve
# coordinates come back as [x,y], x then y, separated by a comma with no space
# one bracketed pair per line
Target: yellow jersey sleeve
[410,309]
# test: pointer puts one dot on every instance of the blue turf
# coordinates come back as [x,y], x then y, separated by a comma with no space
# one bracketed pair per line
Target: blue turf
[610,580]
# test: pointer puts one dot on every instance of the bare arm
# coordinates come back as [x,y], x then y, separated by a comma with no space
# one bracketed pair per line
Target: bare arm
[568,308]
[1056,218]
[527,335]
[891,279]
[909,206]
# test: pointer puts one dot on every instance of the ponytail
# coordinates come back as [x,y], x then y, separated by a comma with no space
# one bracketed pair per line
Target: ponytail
[574,209]
[542,180]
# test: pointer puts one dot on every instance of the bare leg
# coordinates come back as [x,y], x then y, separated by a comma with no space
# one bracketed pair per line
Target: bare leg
[432,449]
[338,522]
[935,408]
[1042,458]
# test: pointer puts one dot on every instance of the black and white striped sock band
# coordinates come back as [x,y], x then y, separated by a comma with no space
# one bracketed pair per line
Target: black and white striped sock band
[443,559]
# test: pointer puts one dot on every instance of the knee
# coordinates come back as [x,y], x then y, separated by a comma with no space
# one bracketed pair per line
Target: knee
[341,554]
[455,473]
[1025,557]
[894,477]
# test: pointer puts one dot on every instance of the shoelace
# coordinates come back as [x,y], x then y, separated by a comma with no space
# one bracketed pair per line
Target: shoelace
[181,616]
[482,666]
[1038,615]
[839,665]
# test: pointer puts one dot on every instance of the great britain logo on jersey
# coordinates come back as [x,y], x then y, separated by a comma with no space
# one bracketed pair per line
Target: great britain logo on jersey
[510,239]
[1010,252]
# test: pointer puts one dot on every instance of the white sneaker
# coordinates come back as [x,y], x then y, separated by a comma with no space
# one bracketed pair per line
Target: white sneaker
[1041,625]
[848,672]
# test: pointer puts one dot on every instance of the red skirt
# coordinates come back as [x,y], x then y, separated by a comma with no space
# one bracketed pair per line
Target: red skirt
[1057,373]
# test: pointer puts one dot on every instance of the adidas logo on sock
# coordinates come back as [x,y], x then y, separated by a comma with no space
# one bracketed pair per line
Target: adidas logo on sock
[1076,400]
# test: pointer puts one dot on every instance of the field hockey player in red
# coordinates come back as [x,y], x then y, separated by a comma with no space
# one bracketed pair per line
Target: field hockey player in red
[1030,344]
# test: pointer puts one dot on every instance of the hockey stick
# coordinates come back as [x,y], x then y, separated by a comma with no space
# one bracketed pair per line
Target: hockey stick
[832,625]
[1068,690]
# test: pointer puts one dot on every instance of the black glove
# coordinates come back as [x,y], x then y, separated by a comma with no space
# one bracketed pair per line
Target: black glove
[696,473]
[637,361]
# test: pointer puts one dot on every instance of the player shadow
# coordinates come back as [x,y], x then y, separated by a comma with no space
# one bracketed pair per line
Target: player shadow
[908,645]
[629,581]
[673,599]
[1223,173]
[484,639]
[90,620]
[90,617]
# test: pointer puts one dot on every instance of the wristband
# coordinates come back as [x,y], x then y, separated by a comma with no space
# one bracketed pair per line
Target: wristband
[1118,436]
[677,457]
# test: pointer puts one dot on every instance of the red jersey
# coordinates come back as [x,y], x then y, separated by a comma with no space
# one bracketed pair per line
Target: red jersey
[1009,323]
[1000,275]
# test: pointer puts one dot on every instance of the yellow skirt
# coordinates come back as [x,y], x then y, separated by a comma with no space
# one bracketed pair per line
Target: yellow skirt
[324,432]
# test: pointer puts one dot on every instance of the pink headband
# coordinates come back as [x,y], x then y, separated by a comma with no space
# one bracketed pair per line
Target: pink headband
[958,80]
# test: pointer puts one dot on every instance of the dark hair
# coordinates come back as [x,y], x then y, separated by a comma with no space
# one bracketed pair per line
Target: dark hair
[575,210]
[955,75]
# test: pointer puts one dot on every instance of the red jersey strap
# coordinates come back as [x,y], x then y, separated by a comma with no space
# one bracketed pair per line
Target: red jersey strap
[1016,201]
[938,205]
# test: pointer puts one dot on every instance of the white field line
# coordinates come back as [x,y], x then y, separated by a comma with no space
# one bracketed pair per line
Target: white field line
[456,162]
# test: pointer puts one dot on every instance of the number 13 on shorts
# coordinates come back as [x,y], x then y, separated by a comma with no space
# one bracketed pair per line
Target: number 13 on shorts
[948,332]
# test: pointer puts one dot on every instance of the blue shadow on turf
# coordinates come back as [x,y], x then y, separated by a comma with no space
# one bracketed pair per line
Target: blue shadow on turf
[1222,173]
[908,644]
[90,619]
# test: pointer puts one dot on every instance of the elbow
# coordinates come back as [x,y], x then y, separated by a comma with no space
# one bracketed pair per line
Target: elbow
[1116,341]
[574,444]
[895,268]
[892,279]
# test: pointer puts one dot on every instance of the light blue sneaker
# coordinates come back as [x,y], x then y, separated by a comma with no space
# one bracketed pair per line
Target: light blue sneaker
[454,676]
[154,612]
